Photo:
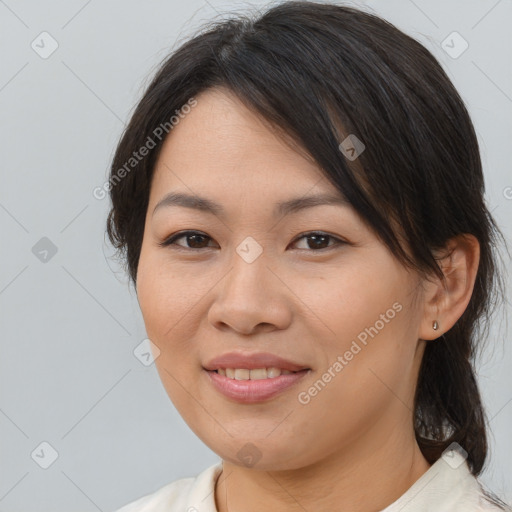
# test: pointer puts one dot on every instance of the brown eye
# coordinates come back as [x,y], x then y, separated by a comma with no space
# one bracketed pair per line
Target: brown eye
[194,240]
[318,240]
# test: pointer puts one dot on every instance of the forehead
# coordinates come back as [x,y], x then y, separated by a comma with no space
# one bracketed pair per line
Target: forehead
[220,143]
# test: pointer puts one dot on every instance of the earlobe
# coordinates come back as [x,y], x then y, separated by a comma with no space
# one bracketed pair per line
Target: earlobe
[446,299]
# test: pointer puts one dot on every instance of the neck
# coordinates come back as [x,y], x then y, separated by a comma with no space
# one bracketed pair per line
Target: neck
[341,481]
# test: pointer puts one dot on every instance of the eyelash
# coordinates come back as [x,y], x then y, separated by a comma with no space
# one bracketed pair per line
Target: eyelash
[170,241]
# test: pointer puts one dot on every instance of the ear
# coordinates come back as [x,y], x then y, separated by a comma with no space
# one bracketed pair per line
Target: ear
[445,302]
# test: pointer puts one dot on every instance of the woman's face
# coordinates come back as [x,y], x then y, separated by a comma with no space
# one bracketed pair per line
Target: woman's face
[255,280]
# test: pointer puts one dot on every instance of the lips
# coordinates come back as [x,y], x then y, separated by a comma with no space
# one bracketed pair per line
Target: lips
[252,362]
[254,391]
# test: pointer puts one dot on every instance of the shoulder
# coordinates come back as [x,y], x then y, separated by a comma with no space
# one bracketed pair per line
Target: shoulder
[469,495]
[186,495]
[448,486]
[473,495]
[478,499]
[486,500]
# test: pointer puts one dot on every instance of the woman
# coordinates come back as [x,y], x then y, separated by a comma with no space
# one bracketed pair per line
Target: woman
[299,199]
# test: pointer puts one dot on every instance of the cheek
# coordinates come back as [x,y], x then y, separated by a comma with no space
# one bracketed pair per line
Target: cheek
[169,319]
[152,298]
[164,293]
[165,307]
[351,298]
[370,323]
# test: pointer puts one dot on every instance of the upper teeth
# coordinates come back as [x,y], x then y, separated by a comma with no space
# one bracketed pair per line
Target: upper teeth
[258,373]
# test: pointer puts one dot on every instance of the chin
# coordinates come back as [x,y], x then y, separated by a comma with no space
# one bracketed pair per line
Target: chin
[262,456]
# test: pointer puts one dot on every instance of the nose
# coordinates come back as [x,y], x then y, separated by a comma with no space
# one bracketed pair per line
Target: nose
[251,298]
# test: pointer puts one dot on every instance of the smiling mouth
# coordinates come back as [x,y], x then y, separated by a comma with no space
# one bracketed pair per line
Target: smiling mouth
[242,387]
[254,374]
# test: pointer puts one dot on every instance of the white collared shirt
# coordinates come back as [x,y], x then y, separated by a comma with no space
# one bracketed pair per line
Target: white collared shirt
[447,486]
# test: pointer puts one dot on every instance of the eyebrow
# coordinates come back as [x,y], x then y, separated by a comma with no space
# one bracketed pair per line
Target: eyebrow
[281,209]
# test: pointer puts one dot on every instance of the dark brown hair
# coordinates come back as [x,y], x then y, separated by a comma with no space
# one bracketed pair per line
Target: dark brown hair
[308,69]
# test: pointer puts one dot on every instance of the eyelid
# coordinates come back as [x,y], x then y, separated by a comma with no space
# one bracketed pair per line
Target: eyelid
[169,241]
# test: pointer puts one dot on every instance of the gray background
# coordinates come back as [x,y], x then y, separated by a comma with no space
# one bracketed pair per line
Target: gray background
[70,322]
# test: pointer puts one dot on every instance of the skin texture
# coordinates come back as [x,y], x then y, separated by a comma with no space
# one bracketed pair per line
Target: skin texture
[303,303]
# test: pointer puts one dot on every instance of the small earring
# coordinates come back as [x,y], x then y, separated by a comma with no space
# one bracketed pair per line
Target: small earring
[435,325]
